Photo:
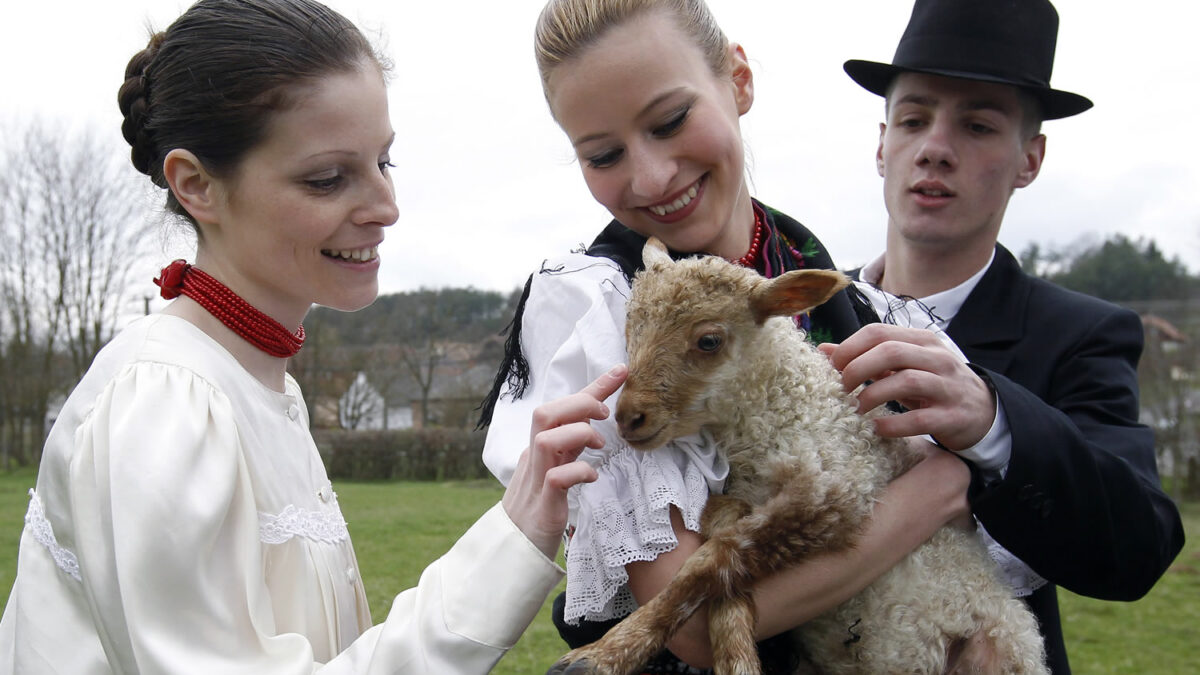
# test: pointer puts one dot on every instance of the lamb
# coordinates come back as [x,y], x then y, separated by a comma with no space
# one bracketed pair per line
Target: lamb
[714,346]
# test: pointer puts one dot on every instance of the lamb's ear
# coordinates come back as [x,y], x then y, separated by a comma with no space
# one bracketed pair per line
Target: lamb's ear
[654,253]
[795,292]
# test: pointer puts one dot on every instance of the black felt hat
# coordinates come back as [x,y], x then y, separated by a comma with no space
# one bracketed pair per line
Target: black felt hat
[1004,41]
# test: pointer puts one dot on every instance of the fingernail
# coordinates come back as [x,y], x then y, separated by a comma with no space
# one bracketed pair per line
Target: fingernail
[603,410]
[617,370]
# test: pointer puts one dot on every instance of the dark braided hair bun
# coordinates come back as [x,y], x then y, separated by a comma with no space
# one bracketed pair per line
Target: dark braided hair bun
[134,100]
[210,83]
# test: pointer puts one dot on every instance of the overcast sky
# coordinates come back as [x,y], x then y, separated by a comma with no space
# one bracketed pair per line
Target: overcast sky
[488,187]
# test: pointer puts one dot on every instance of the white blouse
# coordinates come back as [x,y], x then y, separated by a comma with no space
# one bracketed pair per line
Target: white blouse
[183,523]
[573,331]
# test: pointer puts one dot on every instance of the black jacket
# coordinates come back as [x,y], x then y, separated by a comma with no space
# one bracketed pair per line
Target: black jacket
[1081,502]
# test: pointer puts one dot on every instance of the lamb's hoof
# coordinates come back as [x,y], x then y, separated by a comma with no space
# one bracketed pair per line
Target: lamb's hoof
[590,660]
[563,667]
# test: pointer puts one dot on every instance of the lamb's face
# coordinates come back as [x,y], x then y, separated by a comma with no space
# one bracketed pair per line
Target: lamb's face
[691,328]
[687,325]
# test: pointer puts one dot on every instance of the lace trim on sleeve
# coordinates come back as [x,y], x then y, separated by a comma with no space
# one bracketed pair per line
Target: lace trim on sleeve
[323,526]
[328,527]
[39,527]
[625,517]
[1019,576]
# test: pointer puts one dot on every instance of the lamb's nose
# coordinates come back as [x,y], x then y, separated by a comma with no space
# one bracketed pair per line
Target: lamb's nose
[629,421]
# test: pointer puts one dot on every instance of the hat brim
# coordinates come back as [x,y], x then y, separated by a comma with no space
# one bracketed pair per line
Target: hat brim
[877,77]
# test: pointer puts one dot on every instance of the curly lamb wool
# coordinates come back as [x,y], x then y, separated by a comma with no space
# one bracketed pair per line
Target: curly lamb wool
[714,346]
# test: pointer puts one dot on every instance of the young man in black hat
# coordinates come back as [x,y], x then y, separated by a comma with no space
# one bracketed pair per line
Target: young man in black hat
[1034,385]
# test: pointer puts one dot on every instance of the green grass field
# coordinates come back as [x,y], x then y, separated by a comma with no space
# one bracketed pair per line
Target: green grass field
[399,528]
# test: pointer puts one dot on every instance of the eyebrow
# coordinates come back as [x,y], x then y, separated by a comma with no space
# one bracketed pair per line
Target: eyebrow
[654,102]
[918,99]
[322,153]
[349,153]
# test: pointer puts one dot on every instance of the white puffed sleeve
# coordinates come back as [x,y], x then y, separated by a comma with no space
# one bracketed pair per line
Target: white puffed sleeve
[167,531]
[469,607]
[573,331]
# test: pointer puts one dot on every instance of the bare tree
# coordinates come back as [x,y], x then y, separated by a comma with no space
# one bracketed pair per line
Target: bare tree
[384,364]
[413,333]
[422,359]
[359,404]
[71,227]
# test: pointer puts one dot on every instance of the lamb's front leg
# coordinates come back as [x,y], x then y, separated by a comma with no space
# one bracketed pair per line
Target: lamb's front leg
[722,512]
[785,530]
[731,629]
[731,619]
[632,642]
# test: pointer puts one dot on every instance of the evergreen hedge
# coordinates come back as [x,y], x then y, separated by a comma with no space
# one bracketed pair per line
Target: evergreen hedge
[403,454]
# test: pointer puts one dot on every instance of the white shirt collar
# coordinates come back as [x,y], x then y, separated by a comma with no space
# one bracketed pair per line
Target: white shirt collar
[943,305]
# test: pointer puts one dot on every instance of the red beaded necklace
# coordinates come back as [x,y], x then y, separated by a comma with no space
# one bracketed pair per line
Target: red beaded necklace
[260,330]
[751,258]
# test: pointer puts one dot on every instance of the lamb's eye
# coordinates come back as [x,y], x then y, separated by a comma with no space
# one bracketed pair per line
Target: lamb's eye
[709,342]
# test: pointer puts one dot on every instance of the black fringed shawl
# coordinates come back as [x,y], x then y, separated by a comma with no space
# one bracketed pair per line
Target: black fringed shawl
[787,246]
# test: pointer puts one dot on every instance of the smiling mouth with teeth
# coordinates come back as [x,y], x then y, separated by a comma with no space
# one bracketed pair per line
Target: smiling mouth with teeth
[684,199]
[358,255]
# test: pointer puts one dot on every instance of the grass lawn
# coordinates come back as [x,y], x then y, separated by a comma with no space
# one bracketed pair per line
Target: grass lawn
[1159,634]
[399,528]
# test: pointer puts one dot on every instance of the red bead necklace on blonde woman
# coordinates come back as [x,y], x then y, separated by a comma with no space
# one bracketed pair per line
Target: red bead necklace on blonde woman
[751,258]
[252,325]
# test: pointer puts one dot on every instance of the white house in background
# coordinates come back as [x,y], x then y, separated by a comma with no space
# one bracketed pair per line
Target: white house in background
[362,408]
[461,380]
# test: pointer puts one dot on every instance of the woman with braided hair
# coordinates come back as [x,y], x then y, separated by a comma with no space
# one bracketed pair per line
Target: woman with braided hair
[182,520]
